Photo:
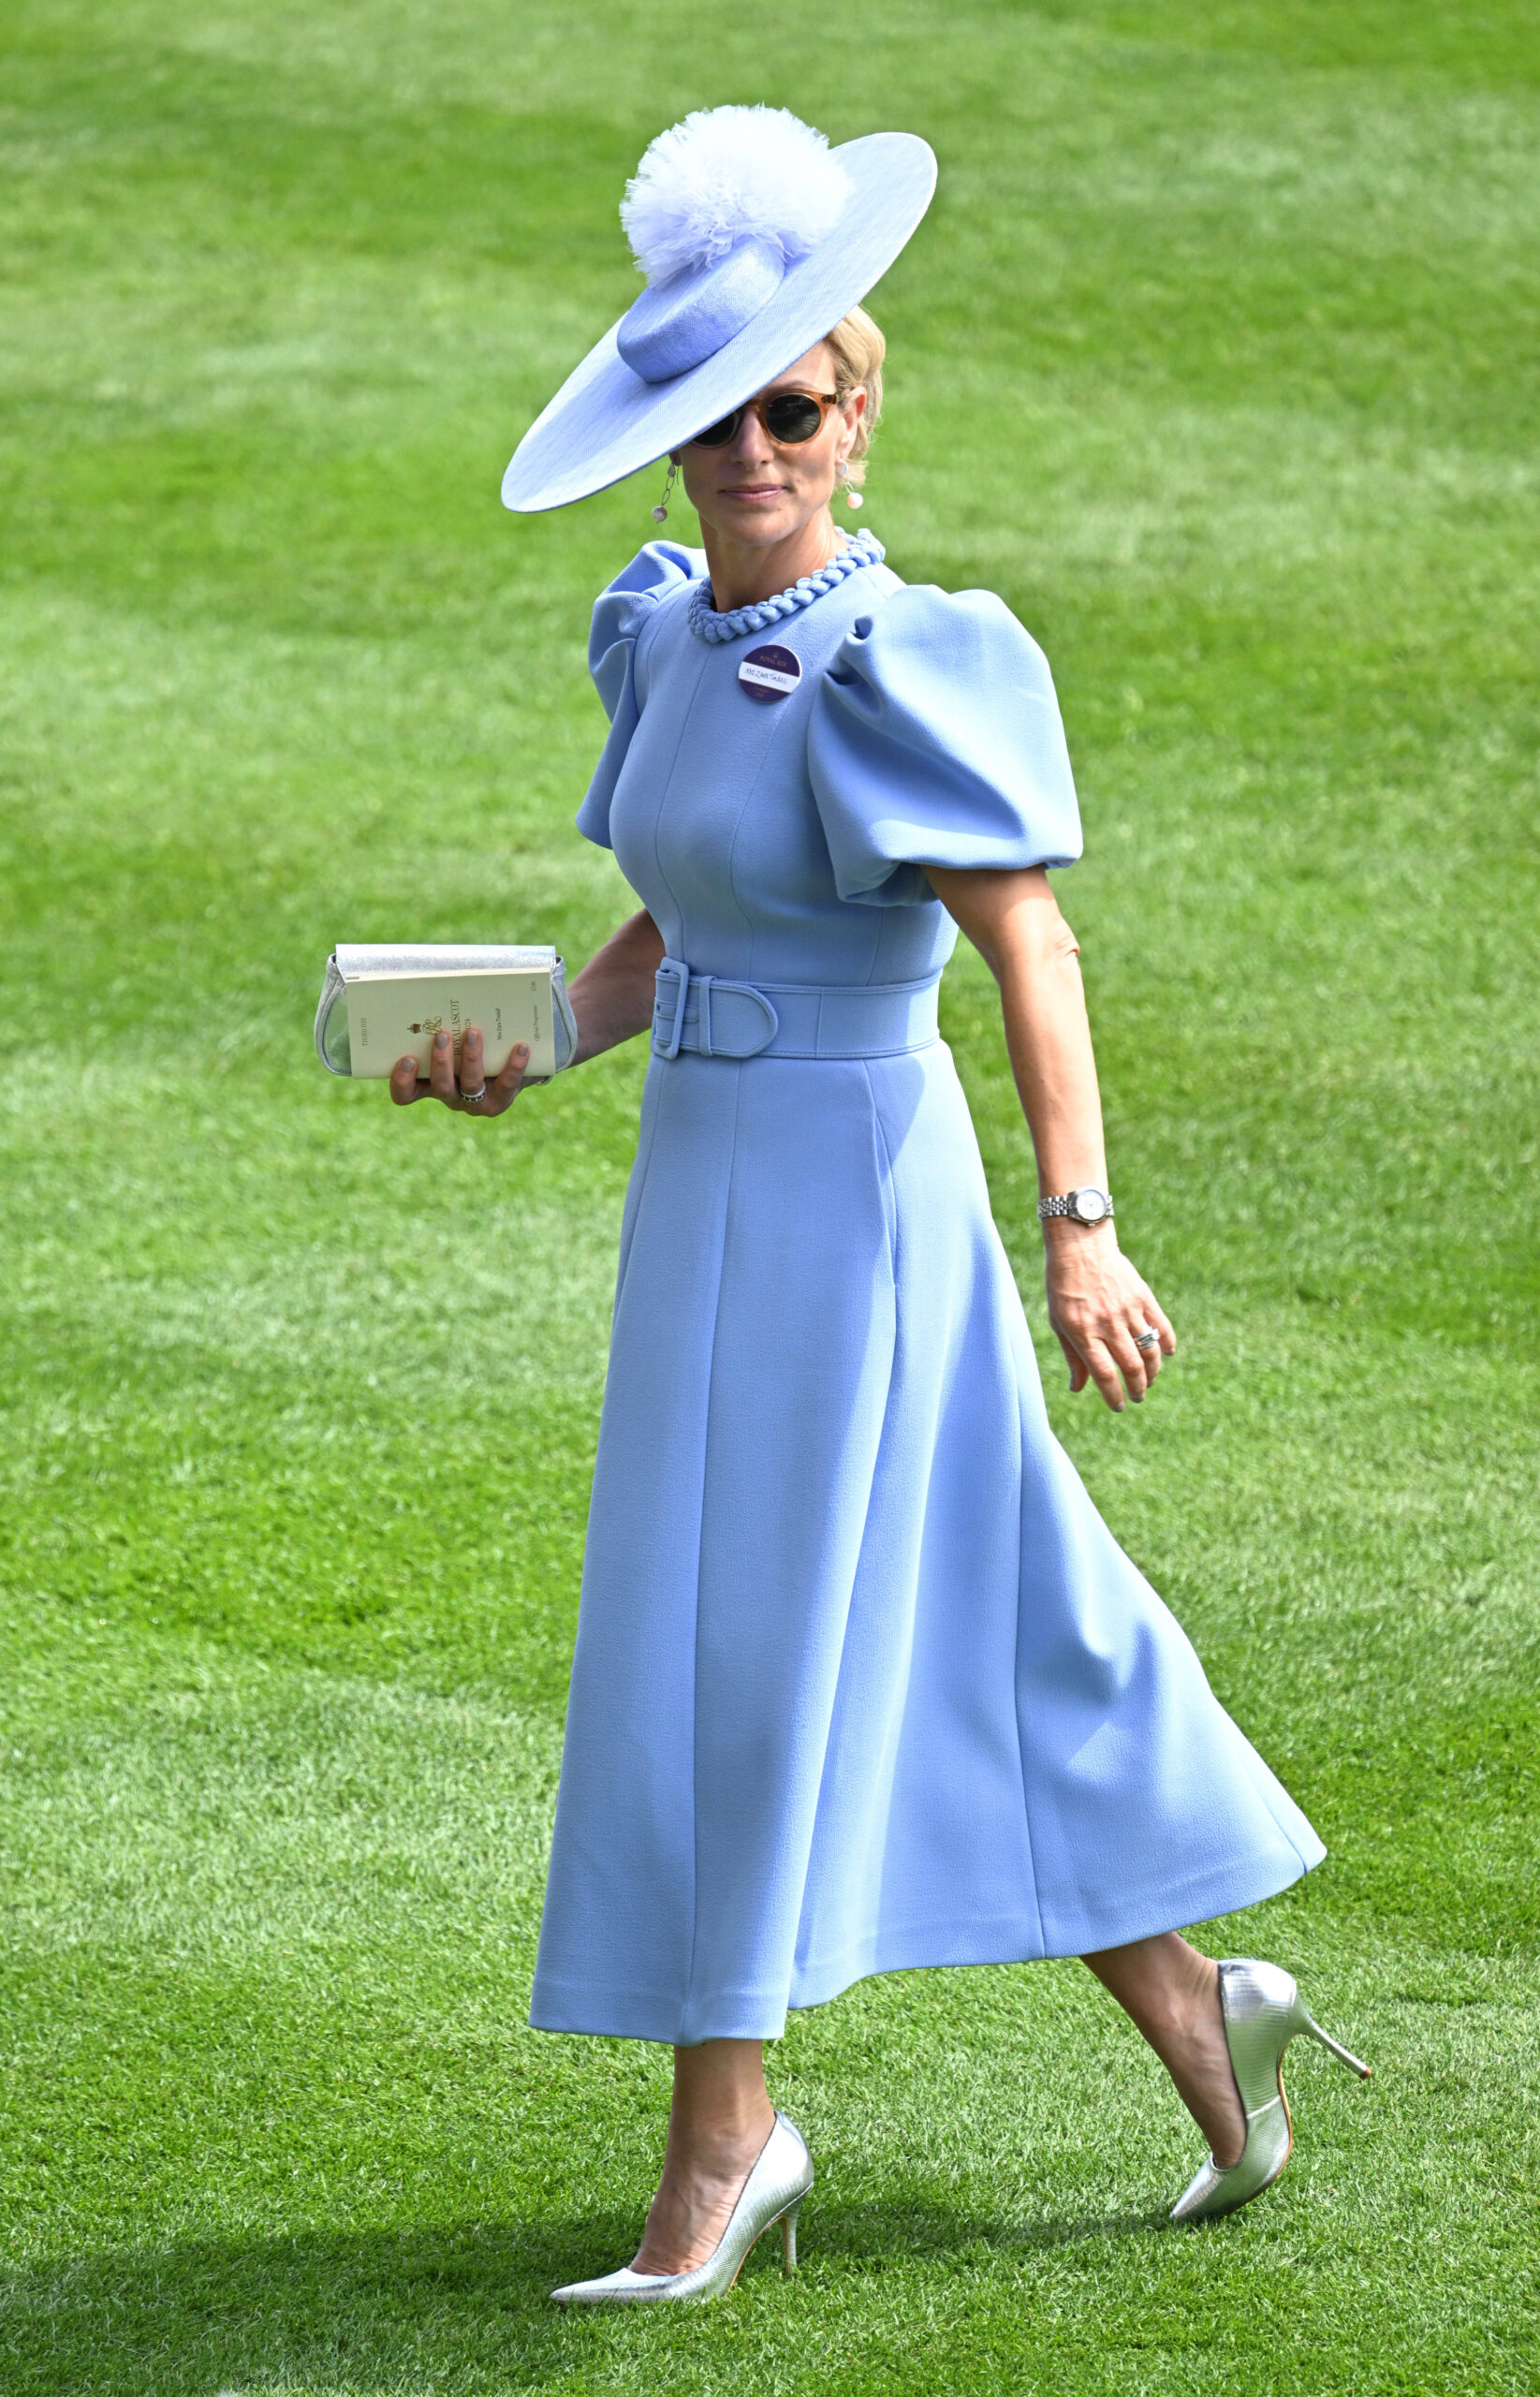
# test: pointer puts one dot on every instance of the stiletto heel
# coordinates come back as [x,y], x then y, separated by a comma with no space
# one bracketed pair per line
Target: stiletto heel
[1334,2047]
[1263,2011]
[773,2192]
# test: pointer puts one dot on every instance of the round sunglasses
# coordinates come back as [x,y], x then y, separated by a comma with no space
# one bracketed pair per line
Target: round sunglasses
[788,417]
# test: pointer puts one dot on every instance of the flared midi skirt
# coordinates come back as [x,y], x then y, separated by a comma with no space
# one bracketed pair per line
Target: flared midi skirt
[862,1681]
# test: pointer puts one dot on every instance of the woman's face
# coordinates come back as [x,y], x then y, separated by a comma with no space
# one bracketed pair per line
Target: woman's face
[759,491]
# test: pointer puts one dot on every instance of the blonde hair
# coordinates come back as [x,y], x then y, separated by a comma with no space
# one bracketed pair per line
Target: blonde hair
[858,351]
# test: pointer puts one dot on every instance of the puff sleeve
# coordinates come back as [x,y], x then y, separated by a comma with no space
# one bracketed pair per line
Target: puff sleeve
[935,740]
[619,615]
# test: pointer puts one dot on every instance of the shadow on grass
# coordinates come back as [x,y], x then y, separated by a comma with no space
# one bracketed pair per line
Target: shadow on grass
[461,2304]
[871,2233]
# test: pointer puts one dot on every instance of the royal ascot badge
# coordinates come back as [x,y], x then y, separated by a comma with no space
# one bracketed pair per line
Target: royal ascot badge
[770,673]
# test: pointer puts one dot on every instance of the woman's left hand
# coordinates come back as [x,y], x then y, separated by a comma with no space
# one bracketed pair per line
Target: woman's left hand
[1098,1304]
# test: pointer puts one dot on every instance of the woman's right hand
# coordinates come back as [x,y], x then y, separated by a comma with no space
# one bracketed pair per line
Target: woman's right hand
[442,1084]
[612,1000]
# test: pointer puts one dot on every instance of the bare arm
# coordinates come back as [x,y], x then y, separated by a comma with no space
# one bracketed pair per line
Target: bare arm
[612,1000]
[612,997]
[1097,1301]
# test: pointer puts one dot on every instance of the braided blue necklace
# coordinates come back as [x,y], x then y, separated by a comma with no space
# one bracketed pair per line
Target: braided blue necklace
[864,549]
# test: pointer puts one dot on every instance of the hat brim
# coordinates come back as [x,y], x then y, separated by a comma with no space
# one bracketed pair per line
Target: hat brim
[605,422]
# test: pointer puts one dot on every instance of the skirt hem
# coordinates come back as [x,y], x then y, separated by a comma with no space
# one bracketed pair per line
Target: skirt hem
[591,2010]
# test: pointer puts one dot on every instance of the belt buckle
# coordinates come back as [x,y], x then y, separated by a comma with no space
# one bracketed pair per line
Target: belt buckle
[673,977]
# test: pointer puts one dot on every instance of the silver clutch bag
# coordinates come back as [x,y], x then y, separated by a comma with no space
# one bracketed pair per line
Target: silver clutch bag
[383,1003]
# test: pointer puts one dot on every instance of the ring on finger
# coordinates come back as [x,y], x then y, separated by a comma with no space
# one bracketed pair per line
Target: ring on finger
[1148,1338]
[472,1098]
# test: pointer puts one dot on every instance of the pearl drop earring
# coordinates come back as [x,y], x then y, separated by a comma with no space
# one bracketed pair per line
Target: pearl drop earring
[842,482]
[660,513]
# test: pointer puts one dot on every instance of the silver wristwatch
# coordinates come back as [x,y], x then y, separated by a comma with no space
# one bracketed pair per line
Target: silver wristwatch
[1087,1206]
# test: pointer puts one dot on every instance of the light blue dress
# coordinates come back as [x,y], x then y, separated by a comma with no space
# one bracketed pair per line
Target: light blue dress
[862,1681]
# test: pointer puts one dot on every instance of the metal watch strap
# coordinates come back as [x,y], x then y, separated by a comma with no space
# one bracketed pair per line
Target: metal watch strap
[1065,1206]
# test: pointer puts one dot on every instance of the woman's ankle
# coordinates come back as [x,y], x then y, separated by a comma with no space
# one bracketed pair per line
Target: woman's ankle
[721,2109]
[1163,1984]
[1170,1991]
[717,2147]
[1174,2007]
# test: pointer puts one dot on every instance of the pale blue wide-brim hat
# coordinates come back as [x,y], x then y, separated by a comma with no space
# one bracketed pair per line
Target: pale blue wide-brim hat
[756,239]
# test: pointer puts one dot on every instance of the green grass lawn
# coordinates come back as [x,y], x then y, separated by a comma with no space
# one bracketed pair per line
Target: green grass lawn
[1218,358]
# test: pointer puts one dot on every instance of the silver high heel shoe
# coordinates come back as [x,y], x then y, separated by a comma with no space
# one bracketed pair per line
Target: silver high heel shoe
[1263,2012]
[773,2192]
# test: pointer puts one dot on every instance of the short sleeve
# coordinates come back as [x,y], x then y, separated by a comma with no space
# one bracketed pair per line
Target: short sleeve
[619,613]
[936,740]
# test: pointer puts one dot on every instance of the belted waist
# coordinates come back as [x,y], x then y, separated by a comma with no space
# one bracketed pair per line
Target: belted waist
[717,1018]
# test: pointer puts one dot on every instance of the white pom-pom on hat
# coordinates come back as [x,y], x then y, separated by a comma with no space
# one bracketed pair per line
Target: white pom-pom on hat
[725,175]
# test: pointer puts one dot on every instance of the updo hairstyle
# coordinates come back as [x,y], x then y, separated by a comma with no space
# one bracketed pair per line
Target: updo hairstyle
[858,351]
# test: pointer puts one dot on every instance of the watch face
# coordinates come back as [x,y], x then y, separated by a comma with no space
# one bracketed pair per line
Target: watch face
[1089,1206]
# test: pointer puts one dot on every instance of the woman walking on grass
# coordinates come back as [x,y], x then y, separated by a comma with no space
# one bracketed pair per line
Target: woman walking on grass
[862,1681]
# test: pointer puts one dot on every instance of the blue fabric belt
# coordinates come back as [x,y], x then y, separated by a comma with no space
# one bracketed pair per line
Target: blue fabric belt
[720,1019]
